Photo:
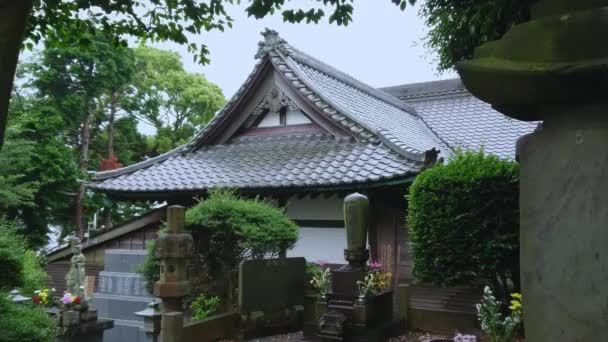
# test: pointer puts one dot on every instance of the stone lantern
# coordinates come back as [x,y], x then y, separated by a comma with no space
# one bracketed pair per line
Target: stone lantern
[152,320]
[554,68]
[16,297]
[174,249]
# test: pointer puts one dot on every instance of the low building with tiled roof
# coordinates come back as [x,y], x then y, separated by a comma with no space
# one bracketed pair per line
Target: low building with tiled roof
[304,134]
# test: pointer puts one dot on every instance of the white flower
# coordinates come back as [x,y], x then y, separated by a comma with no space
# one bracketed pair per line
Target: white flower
[37,291]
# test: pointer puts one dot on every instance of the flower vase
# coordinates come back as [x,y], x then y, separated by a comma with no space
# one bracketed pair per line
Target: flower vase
[70,318]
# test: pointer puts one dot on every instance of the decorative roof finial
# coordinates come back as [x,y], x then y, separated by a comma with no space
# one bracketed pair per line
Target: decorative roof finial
[272,41]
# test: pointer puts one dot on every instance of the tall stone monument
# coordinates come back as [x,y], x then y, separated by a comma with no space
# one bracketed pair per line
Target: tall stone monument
[347,315]
[555,68]
[121,293]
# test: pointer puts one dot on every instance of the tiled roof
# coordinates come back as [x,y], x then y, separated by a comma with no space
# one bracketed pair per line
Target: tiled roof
[390,130]
[462,120]
[308,160]
[400,126]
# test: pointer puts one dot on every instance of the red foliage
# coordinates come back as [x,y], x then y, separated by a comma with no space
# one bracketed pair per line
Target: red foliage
[110,163]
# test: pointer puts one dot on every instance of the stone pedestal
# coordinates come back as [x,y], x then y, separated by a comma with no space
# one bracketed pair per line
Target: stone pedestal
[121,294]
[555,68]
[564,220]
[88,331]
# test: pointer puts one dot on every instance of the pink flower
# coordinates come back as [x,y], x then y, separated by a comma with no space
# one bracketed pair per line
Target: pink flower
[376,265]
[66,299]
[77,300]
[321,263]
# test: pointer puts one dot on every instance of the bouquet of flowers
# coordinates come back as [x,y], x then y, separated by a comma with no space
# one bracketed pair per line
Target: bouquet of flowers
[69,302]
[375,281]
[321,280]
[44,297]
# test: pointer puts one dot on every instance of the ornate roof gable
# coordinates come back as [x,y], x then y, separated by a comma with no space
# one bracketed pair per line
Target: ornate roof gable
[368,115]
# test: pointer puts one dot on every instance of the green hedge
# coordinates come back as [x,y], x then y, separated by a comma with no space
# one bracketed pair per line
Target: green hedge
[463,221]
[22,322]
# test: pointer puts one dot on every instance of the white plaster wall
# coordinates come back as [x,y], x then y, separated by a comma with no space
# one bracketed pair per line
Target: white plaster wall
[321,244]
[319,208]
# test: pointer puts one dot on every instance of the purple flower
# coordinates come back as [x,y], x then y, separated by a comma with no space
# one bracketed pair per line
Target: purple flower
[66,299]
[376,265]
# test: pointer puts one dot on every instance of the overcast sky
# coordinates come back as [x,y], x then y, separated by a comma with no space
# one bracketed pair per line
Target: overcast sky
[382,46]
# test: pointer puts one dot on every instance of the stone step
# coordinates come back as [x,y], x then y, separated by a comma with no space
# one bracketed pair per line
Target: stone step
[124,260]
[120,307]
[119,283]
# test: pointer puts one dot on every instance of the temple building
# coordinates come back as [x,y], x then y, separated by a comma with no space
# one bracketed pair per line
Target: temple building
[303,134]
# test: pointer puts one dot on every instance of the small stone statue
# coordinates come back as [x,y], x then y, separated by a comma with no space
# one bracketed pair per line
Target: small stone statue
[75,277]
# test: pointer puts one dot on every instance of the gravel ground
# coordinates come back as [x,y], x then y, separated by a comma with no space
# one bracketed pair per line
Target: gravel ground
[409,337]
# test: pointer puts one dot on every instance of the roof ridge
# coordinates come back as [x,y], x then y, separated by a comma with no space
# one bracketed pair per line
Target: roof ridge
[314,63]
[134,167]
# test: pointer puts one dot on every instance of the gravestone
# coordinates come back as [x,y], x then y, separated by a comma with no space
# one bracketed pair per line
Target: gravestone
[271,295]
[348,315]
[121,293]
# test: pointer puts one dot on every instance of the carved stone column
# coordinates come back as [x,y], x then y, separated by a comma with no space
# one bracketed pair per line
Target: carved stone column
[174,249]
[555,68]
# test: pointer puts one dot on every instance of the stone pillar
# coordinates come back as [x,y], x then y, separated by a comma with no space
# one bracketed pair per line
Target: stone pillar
[174,249]
[356,220]
[555,68]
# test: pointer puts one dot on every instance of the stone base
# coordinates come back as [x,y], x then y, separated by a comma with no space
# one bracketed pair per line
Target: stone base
[91,331]
[344,282]
[88,315]
[125,331]
[120,307]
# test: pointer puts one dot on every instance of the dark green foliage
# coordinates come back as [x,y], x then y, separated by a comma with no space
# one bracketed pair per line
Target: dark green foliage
[19,266]
[233,229]
[19,323]
[11,266]
[457,27]
[241,228]
[150,269]
[37,153]
[463,222]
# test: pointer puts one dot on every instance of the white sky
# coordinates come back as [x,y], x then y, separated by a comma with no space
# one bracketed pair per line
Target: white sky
[382,46]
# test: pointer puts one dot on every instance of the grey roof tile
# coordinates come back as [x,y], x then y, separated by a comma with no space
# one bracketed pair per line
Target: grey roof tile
[462,120]
[255,163]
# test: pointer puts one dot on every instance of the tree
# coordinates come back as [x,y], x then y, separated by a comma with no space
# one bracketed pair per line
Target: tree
[463,221]
[172,100]
[38,158]
[457,27]
[83,83]
[158,20]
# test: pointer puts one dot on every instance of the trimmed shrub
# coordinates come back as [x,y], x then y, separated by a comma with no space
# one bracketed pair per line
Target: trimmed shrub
[463,221]
[233,229]
[24,322]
